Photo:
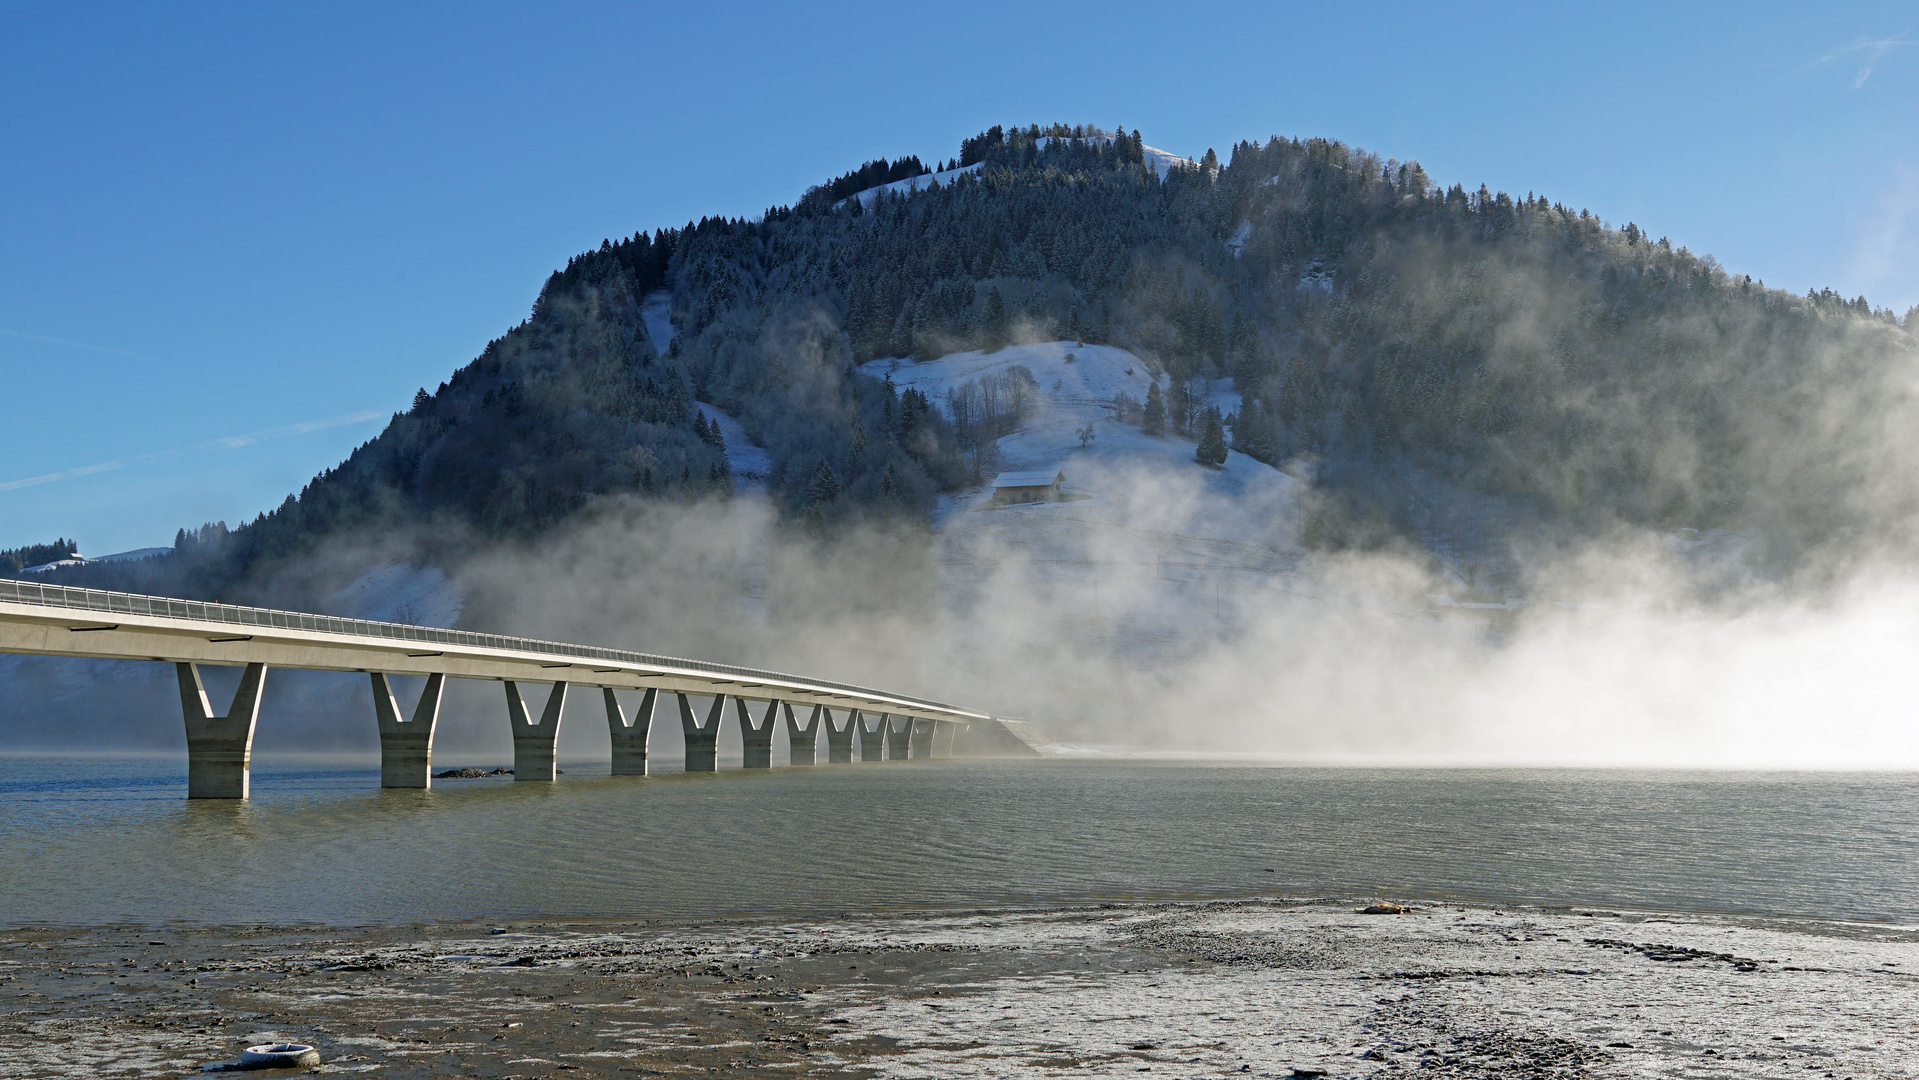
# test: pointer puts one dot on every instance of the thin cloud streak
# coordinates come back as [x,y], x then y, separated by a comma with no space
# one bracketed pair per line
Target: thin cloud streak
[229,442]
[64,474]
[74,344]
[1869,52]
[1884,257]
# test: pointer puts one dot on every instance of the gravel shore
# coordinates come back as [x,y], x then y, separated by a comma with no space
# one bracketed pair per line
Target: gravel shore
[1266,989]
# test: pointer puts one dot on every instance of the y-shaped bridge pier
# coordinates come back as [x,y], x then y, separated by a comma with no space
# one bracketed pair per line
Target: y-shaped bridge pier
[54,620]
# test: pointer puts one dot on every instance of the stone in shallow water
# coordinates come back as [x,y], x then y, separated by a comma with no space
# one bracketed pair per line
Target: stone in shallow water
[279,1056]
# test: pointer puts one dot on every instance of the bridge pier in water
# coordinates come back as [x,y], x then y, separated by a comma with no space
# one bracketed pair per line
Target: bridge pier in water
[873,739]
[945,736]
[899,730]
[756,742]
[920,738]
[220,748]
[629,738]
[803,744]
[839,740]
[534,744]
[702,741]
[406,746]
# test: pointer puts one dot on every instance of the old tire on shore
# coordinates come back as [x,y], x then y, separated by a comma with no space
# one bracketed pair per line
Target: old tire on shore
[279,1056]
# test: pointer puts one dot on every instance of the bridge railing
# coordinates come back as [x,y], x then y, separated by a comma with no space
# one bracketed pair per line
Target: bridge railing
[119,603]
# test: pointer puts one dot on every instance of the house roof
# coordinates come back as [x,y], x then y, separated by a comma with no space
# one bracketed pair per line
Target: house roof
[1042,478]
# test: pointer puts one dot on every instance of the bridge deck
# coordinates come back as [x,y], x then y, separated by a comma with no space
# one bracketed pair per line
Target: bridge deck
[55,620]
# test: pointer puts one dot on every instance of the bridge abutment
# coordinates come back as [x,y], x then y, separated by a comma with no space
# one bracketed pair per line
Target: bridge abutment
[629,739]
[535,744]
[756,742]
[220,748]
[839,740]
[803,744]
[899,731]
[406,746]
[872,740]
[702,741]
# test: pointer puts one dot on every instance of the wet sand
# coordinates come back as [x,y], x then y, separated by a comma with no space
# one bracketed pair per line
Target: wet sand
[1266,989]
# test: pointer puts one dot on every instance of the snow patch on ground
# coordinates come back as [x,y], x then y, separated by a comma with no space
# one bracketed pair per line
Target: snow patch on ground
[1162,161]
[401,593]
[1072,375]
[922,182]
[1236,243]
[78,559]
[1078,386]
[656,313]
[1165,161]
[748,462]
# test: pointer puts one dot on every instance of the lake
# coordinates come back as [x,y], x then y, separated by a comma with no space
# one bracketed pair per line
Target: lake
[93,840]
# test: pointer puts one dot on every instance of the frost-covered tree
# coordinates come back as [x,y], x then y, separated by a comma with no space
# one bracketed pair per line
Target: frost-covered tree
[1212,440]
[1153,417]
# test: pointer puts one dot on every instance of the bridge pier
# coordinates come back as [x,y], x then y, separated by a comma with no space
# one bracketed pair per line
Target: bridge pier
[220,748]
[406,746]
[872,741]
[921,737]
[534,745]
[945,738]
[897,738]
[629,739]
[839,740]
[803,744]
[756,743]
[702,742]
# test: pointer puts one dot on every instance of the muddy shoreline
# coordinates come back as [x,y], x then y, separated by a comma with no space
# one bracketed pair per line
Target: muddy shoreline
[1247,988]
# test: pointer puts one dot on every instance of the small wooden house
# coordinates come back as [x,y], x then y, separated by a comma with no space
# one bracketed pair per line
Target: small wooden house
[1026,487]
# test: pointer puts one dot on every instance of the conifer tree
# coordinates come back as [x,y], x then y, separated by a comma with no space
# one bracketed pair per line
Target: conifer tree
[824,487]
[1212,441]
[993,323]
[1153,419]
[1252,434]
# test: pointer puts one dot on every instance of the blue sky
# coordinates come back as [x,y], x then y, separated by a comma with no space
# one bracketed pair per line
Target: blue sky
[233,239]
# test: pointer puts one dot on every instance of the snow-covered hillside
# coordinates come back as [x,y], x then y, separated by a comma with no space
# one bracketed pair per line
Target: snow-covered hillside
[747,461]
[1079,385]
[1173,544]
[398,592]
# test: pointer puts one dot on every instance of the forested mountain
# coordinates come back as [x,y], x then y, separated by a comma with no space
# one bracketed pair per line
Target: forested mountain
[1401,337]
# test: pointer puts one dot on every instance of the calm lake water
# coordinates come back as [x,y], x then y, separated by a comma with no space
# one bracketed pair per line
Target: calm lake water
[96,841]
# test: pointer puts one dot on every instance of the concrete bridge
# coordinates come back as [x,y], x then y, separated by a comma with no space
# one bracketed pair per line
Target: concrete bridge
[54,620]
